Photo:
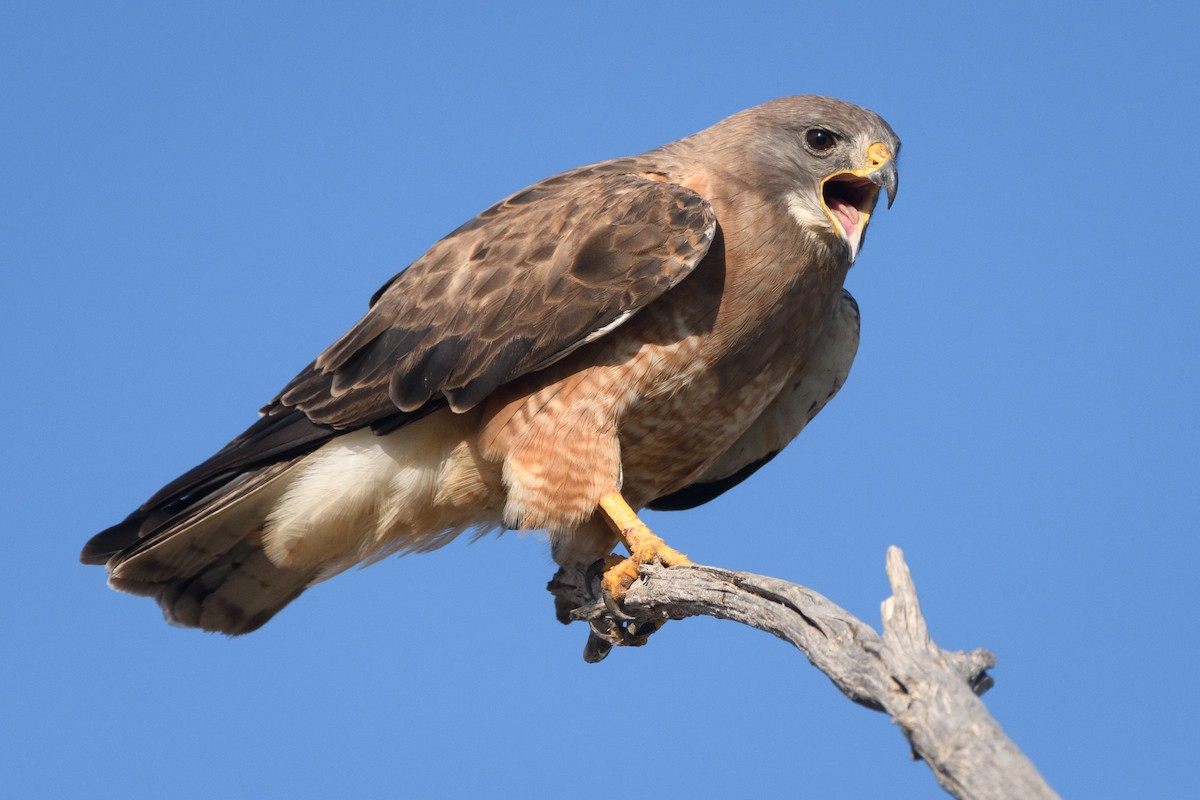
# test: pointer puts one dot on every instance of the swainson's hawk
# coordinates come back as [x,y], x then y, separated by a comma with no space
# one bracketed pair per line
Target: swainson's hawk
[642,332]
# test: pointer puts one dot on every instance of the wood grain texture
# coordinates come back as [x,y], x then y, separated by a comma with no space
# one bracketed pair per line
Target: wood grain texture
[930,693]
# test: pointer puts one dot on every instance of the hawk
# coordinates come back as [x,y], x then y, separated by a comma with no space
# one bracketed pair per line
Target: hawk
[644,332]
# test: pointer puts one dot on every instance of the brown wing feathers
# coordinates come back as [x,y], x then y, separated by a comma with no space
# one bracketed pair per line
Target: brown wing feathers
[516,288]
[426,335]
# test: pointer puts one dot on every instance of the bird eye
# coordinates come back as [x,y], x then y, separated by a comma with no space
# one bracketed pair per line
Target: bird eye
[819,138]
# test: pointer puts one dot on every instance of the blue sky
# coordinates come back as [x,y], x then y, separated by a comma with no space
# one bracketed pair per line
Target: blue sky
[196,199]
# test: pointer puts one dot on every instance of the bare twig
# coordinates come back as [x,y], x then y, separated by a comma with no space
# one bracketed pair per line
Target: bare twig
[931,693]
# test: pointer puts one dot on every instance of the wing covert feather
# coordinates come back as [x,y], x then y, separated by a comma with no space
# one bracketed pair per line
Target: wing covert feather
[523,284]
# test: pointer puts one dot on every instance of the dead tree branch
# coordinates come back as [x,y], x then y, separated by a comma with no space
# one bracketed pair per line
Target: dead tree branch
[931,693]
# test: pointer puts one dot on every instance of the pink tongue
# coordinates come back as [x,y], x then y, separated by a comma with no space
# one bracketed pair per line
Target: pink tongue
[847,216]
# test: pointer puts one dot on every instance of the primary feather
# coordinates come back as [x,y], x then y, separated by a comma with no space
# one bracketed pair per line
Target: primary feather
[659,325]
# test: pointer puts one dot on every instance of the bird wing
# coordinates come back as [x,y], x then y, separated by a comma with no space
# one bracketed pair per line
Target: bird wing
[818,378]
[518,287]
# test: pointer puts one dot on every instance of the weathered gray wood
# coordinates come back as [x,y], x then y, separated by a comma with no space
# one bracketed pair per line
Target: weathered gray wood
[929,692]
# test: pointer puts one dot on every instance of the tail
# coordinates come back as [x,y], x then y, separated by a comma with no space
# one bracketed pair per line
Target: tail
[225,547]
[209,569]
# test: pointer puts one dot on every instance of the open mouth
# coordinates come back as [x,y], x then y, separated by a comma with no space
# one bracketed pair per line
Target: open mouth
[849,199]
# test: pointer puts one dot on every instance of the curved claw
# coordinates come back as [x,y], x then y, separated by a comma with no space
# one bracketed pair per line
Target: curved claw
[643,545]
[613,606]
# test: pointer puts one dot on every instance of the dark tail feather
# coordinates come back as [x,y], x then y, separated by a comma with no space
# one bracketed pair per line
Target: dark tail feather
[206,566]
[236,592]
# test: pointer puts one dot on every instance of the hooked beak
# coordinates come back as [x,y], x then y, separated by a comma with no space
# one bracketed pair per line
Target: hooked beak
[849,197]
[883,170]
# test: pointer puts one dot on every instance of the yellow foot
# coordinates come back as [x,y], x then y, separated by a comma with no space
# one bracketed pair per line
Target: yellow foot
[643,545]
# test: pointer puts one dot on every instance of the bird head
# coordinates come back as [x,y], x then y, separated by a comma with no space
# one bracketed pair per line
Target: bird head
[825,159]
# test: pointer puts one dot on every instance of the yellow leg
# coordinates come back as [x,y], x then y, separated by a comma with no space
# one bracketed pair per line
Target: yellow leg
[643,544]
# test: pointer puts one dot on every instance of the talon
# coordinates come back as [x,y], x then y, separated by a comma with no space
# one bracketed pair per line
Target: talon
[613,605]
[644,546]
[619,577]
[597,569]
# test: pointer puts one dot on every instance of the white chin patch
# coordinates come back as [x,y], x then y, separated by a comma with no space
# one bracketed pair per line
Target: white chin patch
[804,213]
